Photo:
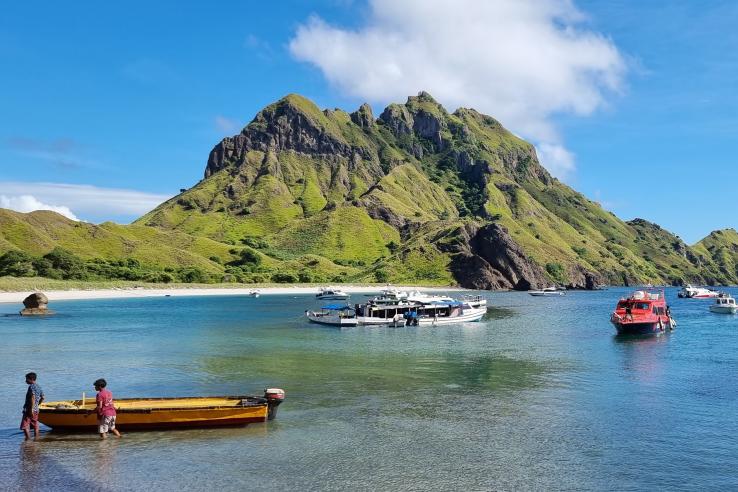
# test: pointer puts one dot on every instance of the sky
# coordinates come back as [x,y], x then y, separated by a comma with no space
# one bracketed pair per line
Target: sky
[111,108]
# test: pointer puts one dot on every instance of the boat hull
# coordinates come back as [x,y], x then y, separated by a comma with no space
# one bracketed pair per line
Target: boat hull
[331,320]
[470,316]
[724,309]
[158,413]
[641,328]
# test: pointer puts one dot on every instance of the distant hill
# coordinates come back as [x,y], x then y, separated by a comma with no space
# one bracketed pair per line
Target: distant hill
[418,195]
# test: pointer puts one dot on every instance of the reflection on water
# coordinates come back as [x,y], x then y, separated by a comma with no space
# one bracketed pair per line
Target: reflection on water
[642,355]
[536,396]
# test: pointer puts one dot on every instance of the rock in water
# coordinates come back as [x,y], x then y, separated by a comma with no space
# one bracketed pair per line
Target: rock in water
[36,304]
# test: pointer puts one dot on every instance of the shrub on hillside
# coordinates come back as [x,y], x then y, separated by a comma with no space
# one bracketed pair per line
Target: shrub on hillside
[17,264]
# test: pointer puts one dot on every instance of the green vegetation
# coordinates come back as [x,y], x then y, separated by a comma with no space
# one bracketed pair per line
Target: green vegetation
[331,201]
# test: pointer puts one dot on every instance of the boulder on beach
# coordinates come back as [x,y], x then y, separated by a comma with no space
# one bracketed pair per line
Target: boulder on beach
[35,304]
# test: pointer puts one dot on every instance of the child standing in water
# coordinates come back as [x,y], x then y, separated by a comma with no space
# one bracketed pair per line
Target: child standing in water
[34,396]
[105,409]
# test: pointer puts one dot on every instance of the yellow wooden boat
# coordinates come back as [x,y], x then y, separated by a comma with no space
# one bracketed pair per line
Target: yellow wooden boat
[158,413]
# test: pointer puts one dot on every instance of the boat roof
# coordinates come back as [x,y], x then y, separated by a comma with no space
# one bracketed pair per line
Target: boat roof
[337,307]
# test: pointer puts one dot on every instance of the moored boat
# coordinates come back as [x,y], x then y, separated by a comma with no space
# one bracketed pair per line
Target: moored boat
[642,313]
[255,293]
[724,304]
[334,315]
[689,292]
[162,413]
[416,313]
[331,294]
[548,291]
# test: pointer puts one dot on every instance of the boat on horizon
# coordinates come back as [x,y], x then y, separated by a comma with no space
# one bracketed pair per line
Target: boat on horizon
[724,304]
[164,413]
[689,292]
[642,313]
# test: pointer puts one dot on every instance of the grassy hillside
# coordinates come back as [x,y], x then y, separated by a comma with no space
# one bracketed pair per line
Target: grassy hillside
[416,195]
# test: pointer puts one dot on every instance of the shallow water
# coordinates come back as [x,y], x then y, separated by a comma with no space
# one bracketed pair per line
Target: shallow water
[540,395]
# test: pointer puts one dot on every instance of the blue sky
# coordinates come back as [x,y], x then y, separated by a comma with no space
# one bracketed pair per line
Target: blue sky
[109,108]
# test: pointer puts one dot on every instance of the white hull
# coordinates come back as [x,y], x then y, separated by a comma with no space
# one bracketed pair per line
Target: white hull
[724,309]
[469,315]
[332,297]
[541,293]
[330,319]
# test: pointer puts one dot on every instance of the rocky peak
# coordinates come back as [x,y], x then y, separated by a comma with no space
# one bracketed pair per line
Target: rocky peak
[363,117]
[292,123]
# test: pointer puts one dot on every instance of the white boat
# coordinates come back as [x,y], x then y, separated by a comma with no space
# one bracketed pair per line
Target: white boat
[444,314]
[254,293]
[475,301]
[415,313]
[724,305]
[690,292]
[331,294]
[334,315]
[548,291]
[390,297]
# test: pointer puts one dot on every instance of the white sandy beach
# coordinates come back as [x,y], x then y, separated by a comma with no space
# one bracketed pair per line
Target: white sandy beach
[61,295]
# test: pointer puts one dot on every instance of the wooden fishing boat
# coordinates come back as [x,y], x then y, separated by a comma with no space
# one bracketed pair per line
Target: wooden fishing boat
[162,413]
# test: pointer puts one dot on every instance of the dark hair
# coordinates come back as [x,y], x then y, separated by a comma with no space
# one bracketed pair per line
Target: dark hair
[31,376]
[101,383]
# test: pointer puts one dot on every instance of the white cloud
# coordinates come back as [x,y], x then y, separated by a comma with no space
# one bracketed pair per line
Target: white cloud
[556,158]
[85,200]
[29,203]
[521,61]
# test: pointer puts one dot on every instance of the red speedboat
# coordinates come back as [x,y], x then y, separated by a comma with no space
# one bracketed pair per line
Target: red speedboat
[643,313]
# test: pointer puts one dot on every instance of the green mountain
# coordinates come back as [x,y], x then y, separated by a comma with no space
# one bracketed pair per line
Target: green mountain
[418,195]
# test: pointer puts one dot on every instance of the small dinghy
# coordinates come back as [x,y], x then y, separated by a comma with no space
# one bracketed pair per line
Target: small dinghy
[162,413]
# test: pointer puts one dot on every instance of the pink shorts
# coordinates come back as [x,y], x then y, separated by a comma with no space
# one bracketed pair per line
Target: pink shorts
[29,421]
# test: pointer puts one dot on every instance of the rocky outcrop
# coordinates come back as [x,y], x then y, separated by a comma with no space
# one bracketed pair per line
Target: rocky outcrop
[363,117]
[581,278]
[487,257]
[36,304]
[285,125]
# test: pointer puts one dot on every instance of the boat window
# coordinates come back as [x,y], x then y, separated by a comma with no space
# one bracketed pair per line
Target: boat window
[641,305]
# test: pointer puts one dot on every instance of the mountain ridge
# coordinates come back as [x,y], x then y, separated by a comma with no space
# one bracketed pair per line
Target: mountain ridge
[416,194]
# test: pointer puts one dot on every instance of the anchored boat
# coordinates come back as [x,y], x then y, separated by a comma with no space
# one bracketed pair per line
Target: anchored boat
[331,294]
[334,315]
[642,313]
[689,292]
[548,291]
[724,305]
[162,413]
[416,313]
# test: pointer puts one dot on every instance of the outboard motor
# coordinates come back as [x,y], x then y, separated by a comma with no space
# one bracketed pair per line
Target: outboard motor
[274,398]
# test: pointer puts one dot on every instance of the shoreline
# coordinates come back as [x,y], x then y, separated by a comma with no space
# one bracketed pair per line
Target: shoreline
[16,297]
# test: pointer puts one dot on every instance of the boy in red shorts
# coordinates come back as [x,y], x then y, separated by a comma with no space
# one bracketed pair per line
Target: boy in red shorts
[105,410]
[34,397]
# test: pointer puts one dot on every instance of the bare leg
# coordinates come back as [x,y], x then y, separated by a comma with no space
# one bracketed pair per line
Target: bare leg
[115,431]
[104,435]
[27,433]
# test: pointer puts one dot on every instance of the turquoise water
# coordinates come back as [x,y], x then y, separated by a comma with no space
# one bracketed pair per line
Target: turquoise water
[540,395]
